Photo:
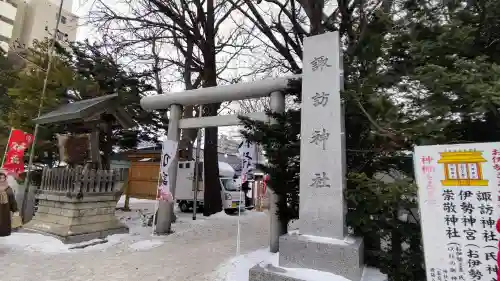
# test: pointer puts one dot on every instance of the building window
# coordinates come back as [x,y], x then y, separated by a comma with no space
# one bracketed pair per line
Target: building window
[6,20]
[12,3]
[4,39]
[63,18]
[60,35]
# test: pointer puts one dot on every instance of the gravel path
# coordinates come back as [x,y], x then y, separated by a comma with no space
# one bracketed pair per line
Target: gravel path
[193,252]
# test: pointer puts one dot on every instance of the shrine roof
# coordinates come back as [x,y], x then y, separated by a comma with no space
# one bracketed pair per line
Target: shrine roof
[461,157]
[87,109]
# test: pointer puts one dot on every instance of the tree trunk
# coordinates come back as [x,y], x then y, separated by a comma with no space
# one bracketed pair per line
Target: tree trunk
[107,145]
[396,247]
[316,16]
[188,135]
[212,195]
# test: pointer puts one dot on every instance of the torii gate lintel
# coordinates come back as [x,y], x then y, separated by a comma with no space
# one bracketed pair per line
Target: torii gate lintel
[273,88]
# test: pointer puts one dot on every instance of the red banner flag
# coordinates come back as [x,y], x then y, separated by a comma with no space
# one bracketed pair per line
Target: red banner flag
[19,141]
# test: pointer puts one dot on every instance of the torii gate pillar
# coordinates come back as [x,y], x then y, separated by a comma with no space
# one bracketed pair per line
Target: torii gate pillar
[175,101]
[276,227]
[166,209]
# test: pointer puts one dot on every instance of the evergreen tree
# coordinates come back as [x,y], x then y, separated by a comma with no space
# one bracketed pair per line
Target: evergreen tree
[80,72]
[7,78]
[102,75]
[281,143]
[428,75]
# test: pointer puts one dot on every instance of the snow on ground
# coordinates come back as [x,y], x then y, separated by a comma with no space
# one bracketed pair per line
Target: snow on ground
[145,245]
[192,252]
[35,243]
[140,236]
[237,269]
[202,250]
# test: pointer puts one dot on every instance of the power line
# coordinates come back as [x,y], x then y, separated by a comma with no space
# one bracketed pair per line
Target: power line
[40,106]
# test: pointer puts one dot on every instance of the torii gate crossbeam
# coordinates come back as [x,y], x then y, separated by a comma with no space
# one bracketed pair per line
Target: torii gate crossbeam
[174,101]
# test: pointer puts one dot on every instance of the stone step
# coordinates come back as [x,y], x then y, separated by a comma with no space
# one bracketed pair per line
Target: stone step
[268,272]
[340,257]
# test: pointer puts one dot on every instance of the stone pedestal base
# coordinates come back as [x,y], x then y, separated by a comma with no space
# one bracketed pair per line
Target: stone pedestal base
[262,272]
[308,258]
[340,257]
[75,220]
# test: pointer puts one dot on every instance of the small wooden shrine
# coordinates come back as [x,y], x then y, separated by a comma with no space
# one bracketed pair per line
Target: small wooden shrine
[463,168]
[93,117]
[77,203]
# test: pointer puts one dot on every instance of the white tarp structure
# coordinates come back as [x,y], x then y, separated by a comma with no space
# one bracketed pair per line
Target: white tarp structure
[225,170]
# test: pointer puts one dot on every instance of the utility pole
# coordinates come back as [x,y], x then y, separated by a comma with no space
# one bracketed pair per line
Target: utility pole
[50,56]
[196,179]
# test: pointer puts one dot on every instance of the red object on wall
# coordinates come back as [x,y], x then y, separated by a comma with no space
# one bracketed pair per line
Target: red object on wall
[19,141]
[264,186]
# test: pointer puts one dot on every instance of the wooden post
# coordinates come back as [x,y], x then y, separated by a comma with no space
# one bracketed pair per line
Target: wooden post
[126,206]
[95,154]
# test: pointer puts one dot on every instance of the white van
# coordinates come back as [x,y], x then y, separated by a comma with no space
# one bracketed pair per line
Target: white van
[230,190]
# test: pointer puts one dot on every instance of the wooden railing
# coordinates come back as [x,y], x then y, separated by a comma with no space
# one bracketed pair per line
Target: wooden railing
[78,180]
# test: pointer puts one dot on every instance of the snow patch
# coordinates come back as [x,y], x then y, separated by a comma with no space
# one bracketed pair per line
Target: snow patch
[135,201]
[272,265]
[140,236]
[35,242]
[145,245]
[327,240]
[237,269]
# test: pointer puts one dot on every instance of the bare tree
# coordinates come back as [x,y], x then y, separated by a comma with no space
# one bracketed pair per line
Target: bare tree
[196,39]
[283,24]
[254,105]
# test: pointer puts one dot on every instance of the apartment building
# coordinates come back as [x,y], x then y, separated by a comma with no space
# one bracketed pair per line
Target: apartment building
[36,20]
[8,12]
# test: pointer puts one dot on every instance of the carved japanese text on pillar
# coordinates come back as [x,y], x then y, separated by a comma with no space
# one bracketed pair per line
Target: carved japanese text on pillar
[319,63]
[320,99]
[320,180]
[320,137]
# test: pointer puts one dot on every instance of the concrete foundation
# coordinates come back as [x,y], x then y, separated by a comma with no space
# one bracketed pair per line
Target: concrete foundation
[75,220]
[340,257]
[267,272]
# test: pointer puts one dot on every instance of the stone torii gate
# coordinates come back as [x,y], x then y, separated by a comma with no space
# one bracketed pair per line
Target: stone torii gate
[174,101]
[323,243]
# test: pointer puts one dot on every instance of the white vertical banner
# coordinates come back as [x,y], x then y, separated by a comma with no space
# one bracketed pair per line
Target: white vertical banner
[248,157]
[169,149]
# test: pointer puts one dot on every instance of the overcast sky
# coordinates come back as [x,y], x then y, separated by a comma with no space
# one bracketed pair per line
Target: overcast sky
[81,9]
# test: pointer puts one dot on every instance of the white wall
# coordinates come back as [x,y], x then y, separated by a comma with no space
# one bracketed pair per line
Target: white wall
[8,12]
[35,17]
